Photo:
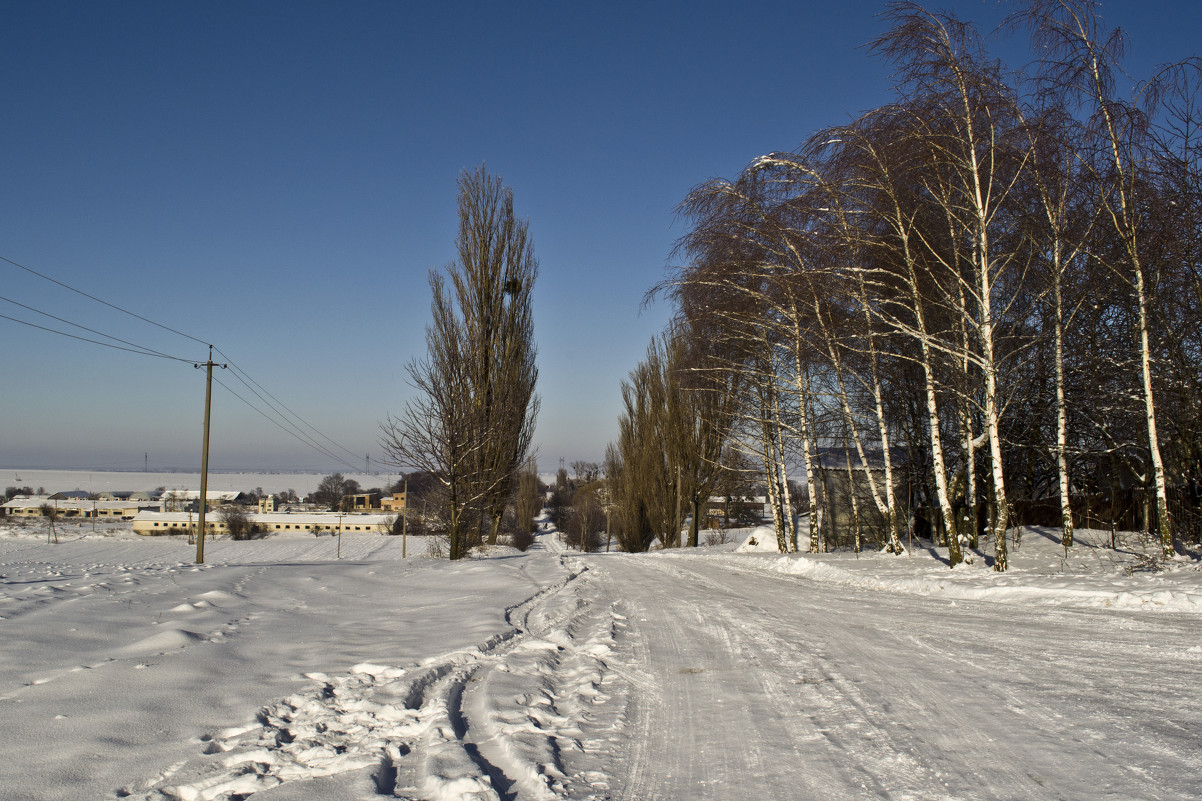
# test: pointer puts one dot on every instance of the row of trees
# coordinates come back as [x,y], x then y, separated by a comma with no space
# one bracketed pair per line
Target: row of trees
[986,292]
[678,406]
[471,422]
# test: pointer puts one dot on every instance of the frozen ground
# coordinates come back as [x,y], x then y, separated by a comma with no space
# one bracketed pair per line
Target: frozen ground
[279,672]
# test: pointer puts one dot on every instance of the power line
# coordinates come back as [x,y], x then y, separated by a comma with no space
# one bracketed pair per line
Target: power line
[133,346]
[102,302]
[286,422]
[312,444]
[238,370]
[143,352]
[244,377]
[295,432]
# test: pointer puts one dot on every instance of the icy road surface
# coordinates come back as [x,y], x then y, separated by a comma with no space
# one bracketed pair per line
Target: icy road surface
[280,673]
[762,686]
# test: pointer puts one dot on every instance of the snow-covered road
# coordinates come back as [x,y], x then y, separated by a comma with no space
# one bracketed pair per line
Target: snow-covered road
[766,686]
[281,673]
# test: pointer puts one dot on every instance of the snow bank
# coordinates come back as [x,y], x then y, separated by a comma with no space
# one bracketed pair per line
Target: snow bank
[1093,575]
[762,539]
[985,585]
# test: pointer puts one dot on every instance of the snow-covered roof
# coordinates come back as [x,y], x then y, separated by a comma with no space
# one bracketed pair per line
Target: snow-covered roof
[42,500]
[27,500]
[194,495]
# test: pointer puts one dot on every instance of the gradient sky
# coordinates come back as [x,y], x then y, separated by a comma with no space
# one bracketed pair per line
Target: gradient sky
[277,178]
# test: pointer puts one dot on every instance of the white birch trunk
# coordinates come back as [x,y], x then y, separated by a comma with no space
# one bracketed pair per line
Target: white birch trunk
[1164,526]
[790,531]
[808,444]
[1125,226]
[768,426]
[1066,509]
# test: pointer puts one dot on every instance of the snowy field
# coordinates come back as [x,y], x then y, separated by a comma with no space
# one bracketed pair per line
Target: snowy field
[278,671]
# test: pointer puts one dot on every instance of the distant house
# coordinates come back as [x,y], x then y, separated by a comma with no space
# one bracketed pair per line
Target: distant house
[189,500]
[25,506]
[844,478]
[71,495]
[33,507]
[394,504]
[362,502]
[724,512]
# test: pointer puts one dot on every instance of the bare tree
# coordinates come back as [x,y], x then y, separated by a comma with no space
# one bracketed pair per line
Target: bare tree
[586,472]
[588,514]
[50,513]
[472,421]
[529,500]
[678,411]
[940,273]
[237,521]
[332,489]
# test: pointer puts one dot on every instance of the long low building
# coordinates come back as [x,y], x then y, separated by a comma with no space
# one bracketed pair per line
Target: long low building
[150,523]
[35,507]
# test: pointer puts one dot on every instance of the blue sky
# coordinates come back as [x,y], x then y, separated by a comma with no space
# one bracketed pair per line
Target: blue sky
[277,178]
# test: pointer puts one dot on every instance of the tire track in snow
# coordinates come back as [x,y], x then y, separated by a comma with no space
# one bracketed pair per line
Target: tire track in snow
[487,723]
[918,702]
[873,728]
[720,711]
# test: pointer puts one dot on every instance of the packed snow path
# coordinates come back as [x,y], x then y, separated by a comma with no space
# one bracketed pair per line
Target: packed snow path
[767,686]
[281,674]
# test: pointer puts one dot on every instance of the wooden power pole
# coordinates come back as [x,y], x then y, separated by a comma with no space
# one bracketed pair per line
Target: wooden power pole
[204,456]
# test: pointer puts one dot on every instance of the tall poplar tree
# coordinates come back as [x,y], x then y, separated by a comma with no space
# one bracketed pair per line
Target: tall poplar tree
[473,419]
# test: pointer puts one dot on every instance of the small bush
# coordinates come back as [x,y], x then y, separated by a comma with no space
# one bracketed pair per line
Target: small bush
[522,540]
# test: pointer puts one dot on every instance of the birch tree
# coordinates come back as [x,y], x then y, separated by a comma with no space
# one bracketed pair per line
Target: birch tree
[968,114]
[1080,64]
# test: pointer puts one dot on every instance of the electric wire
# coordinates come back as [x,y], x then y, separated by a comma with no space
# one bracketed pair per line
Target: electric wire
[132,345]
[286,424]
[276,423]
[93,341]
[299,434]
[245,378]
[238,370]
[102,302]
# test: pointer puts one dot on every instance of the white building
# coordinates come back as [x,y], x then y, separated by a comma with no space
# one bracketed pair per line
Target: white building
[32,507]
[150,523]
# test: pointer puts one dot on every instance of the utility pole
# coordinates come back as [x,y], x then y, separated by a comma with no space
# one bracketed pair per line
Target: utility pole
[405,521]
[204,456]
